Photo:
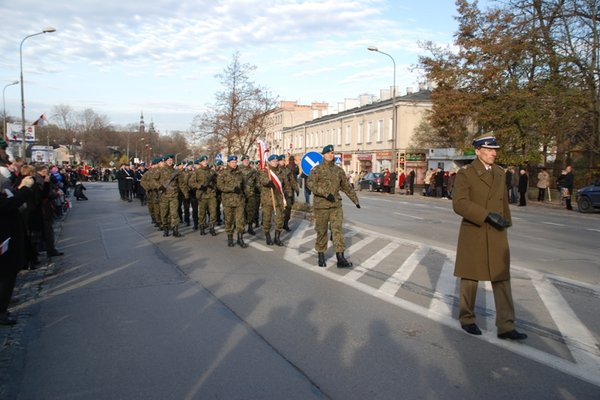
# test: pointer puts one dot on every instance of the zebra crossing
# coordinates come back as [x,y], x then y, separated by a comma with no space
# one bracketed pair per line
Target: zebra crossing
[419,278]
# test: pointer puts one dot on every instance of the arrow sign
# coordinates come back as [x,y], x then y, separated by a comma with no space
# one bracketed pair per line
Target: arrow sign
[310,160]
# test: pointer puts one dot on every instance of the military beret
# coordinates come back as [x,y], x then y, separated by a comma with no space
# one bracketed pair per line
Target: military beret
[219,162]
[327,149]
[273,157]
[281,157]
[202,158]
[245,157]
[167,156]
[231,157]
[487,142]
[3,144]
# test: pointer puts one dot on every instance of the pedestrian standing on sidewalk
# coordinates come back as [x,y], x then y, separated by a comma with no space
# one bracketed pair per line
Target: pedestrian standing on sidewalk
[567,186]
[482,254]
[523,187]
[543,183]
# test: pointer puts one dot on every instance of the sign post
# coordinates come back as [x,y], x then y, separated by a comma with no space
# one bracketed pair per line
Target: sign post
[310,160]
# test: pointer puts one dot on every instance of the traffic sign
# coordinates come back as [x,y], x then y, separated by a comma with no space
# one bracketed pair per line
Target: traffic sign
[338,159]
[219,156]
[310,160]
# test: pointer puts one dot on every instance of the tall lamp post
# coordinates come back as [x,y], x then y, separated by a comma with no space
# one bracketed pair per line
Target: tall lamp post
[4,105]
[46,30]
[394,122]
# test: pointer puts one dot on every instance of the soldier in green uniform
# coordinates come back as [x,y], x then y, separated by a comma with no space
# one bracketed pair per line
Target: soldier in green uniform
[231,184]
[219,167]
[169,188]
[203,181]
[271,200]
[325,181]
[146,182]
[291,187]
[250,176]
[153,184]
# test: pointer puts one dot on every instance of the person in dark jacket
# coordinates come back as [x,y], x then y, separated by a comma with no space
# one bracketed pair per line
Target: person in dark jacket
[13,238]
[79,188]
[567,184]
[523,186]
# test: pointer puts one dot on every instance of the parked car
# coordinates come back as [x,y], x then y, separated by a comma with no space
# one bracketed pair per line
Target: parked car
[372,181]
[588,198]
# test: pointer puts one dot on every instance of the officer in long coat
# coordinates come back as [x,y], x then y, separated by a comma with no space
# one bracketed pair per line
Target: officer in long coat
[231,184]
[481,199]
[325,181]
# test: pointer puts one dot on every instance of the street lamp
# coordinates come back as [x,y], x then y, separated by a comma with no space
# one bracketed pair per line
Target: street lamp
[4,105]
[394,122]
[46,30]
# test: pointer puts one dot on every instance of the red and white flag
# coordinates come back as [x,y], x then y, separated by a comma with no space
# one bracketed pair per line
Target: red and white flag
[41,121]
[262,150]
[277,184]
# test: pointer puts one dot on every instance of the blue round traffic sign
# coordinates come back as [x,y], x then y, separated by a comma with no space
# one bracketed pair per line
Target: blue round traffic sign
[310,160]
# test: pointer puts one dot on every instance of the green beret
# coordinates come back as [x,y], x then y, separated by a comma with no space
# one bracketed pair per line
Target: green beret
[202,158]
[245,157]
[327,149]
[281,157]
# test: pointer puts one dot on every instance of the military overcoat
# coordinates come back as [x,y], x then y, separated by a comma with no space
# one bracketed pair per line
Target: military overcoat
[482,253]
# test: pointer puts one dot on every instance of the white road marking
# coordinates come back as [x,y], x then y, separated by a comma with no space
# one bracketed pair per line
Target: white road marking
[445,290]
[552,223]
[358,271]
[394,283]
[409,216]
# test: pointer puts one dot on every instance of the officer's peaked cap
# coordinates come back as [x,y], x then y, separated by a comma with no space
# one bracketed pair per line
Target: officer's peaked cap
[487,142]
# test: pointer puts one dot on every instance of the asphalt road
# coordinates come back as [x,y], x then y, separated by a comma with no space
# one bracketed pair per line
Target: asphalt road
[130,314]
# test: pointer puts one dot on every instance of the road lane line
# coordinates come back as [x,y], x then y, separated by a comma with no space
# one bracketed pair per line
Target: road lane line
[358,271]
[580,341]
[395,281]
[445,291]
[552,223]
[410,216]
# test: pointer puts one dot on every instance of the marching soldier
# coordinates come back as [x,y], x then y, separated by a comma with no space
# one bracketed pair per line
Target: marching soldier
[151,195]
[203,181]
[271,200]
[250,185]
[325,181]
[219,167]
[231,184]
[291,187]
[169,188]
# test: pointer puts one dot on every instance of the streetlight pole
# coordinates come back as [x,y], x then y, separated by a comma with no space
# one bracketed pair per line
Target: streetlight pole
[46,30]
[4,105]
[394,119]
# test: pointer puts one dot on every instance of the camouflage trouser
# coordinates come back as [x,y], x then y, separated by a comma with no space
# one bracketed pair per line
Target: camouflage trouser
[152,201]
[287,211]
[266,217]
[207,204]
[168,211]
[251,206]
[334,218]
[234,219]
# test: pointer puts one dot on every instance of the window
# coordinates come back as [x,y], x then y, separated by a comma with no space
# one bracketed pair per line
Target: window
[369,129]
[348,134]
[360,133]
[339,136]
[380,130]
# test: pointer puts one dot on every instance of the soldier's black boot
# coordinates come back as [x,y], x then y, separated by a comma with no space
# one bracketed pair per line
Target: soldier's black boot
[230,241]
[250,230]
[342,262]
[268,237]
[165,231]
[195,226]
[286,226]
[211,230]
[240,241]
[202,230]
[322,260]
[176,231]
[277,240]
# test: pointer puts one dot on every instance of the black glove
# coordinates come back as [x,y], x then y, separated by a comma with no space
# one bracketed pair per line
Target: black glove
[270,185]
[297,193]
[237,190]
[203,188]
[497,221]
[358,206]
[162,189]
[330,197]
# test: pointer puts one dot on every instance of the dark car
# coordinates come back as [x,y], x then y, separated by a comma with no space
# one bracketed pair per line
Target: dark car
[588,198]
[372,181]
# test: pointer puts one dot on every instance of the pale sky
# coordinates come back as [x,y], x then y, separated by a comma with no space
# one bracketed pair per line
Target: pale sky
[160,57]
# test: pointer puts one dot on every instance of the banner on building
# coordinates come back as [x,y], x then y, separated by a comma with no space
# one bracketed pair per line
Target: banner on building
[15,135]
[42,154]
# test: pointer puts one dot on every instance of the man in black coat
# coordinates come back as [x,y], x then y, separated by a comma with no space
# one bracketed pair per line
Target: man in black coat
[568,183]
[12,242]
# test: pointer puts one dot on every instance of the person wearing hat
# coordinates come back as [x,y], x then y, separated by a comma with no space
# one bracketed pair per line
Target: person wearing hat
[250,185]
[219,168]
[291,187]
[480,198]
[169,188]
[231,184]
[151,195]
[325,181]
[203,182]
[272,199]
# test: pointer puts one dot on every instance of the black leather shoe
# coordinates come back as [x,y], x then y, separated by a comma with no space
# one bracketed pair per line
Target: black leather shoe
[55,253]
[472,329]
[322,260]
[512,335]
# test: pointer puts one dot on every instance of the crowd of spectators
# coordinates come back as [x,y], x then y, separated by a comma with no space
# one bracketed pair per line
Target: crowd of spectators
[32,197]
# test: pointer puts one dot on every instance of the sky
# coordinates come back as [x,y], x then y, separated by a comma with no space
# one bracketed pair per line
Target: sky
[161,57]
